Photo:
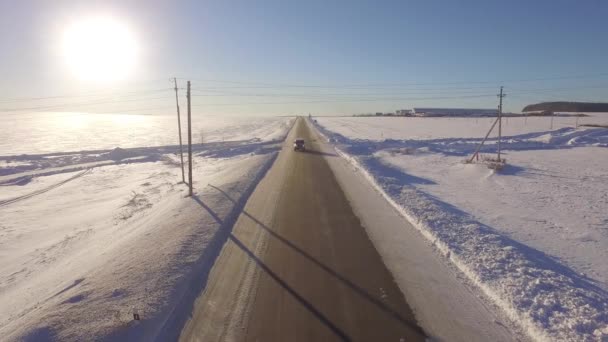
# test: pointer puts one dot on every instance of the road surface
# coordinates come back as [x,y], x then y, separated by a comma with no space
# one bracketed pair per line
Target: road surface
[298,266]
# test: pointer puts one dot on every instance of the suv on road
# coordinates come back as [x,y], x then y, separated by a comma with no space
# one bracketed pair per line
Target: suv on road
[298,145]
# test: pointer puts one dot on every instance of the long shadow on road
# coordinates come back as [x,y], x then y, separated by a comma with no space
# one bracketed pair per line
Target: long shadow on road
[320,153]
[328,323]
[354,287]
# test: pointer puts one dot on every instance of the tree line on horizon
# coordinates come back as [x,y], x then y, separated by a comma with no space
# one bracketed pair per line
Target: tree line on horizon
[564,106]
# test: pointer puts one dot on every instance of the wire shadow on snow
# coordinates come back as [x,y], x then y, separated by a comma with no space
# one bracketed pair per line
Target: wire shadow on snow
[532,172]
[183,303]
[336,275]
[393,175]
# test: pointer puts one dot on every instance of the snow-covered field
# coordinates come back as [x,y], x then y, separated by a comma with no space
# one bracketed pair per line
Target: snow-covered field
[96,227]
[68,132]
[533,237]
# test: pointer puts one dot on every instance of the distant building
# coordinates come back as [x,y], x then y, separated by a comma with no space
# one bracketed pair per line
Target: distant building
[404,112]
[453,112]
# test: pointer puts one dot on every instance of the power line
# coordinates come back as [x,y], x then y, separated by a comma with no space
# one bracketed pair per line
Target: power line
[69,113]
[342,95]
[538,90]
[542,97]
[28,99]
[268,85]
[223,89]
[371,85]
[98,92]
[81,104]
[233,94]
[350,100]
[304,97]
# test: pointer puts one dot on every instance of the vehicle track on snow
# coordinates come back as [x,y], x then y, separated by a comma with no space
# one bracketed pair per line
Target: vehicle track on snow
[41,191]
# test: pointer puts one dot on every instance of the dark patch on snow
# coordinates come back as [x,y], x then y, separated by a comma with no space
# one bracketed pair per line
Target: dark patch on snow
[74,284]
[42,334]
[21,181]
[119,154]
[75,299]
[118,293]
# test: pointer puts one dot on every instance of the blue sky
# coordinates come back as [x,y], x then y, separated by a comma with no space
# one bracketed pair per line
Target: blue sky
[324,57]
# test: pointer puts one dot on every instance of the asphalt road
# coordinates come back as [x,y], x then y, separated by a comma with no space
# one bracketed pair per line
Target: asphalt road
[298,265]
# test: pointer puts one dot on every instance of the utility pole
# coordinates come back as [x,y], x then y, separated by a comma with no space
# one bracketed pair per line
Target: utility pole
[189,143]
[501,95]
[179,130]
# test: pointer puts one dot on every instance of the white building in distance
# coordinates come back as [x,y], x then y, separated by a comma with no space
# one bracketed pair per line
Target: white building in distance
[453,112]
[403,112]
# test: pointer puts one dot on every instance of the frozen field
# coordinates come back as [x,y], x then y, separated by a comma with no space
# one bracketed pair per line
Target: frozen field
[371,128]
[533,237]
[39,133]
[96,226]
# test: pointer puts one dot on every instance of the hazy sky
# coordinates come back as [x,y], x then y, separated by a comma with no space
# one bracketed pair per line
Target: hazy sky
[324,57]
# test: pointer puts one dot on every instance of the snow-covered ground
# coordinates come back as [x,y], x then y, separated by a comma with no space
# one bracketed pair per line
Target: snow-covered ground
[533,237]
[39,133]
[89,238]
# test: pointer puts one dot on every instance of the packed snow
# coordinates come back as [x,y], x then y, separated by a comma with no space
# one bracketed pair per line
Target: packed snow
[533,236]
[88,239]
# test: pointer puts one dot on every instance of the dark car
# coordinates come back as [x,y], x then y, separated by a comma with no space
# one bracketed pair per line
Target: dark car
[298,145]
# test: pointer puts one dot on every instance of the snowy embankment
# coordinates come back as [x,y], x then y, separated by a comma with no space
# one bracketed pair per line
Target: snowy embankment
[88,239]
[532,237]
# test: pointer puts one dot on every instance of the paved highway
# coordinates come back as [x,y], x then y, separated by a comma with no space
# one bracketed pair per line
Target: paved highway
[298,265]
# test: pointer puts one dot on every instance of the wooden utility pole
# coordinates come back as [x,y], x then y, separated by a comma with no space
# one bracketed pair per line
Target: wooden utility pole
[189,142]
[476,153]
[179,130]
[501,95]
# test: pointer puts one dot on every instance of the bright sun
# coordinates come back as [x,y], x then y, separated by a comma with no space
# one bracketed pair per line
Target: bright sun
[100,49]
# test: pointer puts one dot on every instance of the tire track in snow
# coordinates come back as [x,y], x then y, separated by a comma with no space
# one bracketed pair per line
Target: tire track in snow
[41,191]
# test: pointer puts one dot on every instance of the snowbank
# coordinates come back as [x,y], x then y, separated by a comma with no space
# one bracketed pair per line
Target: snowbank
[550,299]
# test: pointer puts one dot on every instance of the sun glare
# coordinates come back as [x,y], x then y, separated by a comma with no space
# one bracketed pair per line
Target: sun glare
[100,49]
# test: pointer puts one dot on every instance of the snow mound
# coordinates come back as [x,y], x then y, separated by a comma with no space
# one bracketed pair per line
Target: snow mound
[118,154]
